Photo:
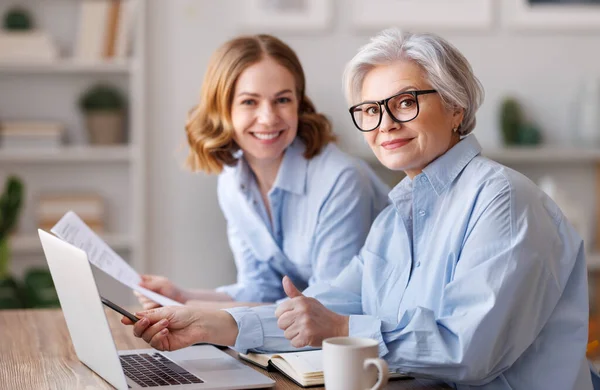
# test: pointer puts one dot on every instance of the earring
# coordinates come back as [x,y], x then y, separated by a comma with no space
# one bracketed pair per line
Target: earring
[454,130]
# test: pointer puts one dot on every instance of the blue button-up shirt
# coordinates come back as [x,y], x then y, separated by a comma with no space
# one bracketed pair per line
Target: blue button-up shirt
[321,212]
[472,275]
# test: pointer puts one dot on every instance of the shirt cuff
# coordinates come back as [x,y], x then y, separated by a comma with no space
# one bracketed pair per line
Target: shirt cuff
[368,327]
[250,331]
[232,290]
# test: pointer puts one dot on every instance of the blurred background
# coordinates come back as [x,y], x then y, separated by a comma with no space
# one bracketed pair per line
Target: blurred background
[94,96]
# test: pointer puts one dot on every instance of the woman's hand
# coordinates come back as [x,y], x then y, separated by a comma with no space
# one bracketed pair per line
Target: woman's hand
[161,285]
[306,321]
[175,327]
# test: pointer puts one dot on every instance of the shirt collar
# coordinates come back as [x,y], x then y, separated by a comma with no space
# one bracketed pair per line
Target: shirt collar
[292,172]
[243,172]
[442,171]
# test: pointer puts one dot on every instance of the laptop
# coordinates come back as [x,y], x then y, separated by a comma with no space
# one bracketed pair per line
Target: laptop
[195,367]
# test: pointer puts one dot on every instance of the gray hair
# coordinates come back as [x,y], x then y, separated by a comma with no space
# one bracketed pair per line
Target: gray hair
[446,69]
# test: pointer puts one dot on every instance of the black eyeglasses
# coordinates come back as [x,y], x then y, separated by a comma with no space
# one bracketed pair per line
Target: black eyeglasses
[402,107]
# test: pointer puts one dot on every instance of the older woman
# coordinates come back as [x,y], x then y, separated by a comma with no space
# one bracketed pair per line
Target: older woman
[472,275]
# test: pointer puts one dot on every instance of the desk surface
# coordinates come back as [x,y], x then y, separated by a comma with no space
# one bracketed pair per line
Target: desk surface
[36,353]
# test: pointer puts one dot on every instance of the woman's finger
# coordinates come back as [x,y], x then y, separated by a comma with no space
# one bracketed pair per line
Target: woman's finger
[140,326]
[159,340]
[291,332]
[150,305]
[146,303]
[299,341]
[286,320]
[284,307]
[151,331]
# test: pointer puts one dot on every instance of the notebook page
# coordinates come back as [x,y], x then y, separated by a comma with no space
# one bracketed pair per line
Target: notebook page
[306,362]
[260,359]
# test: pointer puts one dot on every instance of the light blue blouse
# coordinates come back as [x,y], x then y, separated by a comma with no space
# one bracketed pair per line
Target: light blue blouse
[472,275]
[321,210]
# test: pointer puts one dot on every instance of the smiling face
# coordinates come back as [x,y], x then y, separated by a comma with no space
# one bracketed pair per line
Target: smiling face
[264,112]
[409,146]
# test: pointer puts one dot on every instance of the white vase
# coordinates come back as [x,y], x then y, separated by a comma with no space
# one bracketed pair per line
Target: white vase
[588,112]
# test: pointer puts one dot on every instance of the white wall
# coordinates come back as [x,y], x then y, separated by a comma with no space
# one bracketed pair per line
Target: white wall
[186,229]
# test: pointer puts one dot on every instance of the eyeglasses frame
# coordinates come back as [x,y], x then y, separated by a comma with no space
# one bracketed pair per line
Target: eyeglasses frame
[384,103]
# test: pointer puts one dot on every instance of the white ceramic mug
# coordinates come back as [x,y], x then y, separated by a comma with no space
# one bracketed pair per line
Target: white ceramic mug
[351,363]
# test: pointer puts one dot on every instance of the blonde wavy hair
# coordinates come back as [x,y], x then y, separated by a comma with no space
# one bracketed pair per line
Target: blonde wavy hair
[209,127]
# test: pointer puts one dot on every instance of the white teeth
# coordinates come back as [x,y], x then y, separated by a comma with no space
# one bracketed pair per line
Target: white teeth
[266,136]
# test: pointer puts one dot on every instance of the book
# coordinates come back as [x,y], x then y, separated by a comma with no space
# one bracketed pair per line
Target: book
[125,28]
[29,126]
[89,207]
[27,46]
[30,134]
[91,34]
[112,26]
[305,368]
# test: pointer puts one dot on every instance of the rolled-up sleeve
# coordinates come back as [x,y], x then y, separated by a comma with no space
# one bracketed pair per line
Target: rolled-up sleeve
[257,326]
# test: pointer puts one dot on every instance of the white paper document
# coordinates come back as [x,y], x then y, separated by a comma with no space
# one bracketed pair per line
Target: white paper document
[73,230]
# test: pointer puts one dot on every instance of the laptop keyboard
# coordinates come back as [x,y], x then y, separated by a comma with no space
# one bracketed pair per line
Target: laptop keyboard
[153,369]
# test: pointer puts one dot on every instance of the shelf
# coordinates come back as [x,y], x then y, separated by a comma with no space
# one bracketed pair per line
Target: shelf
[543,154]
[30,244]
[528,154]
[121,153]
[66,66]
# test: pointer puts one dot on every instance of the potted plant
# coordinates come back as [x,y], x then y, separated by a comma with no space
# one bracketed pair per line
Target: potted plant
[39,289]
[17,19]
[104,108]
[511,119]
[515,130]
[11,202]
[20,40]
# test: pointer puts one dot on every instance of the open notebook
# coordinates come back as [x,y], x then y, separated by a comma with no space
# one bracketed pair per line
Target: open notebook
[305,368]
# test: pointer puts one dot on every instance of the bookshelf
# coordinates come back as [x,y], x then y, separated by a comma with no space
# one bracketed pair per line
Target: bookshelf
[25,244]
[71,154]
[66,66]
[543,154]
[50,90]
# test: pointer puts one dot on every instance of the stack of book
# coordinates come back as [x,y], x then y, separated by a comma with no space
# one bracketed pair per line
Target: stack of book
[31,134]
[105,29]
[27,46]
[89,207]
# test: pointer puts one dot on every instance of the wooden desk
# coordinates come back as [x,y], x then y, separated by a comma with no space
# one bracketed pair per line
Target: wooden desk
[36,353]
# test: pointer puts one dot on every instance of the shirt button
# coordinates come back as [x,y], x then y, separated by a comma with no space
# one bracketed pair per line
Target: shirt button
[422,213]
[423,179]
[254,202]
[418,264]
[242,187]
